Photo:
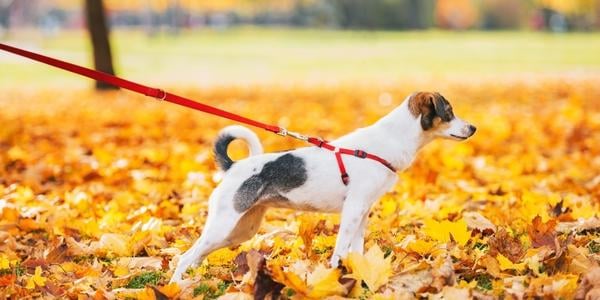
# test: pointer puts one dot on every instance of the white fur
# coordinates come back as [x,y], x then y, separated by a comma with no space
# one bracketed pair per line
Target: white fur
[396,137]
[241,132]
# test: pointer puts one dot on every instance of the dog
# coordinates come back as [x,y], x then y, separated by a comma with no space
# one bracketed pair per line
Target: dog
[308,179]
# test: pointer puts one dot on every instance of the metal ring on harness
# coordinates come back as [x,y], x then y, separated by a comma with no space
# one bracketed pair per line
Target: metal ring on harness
[164,95]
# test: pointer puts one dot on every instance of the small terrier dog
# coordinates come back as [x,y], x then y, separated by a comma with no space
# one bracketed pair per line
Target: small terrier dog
[309,178]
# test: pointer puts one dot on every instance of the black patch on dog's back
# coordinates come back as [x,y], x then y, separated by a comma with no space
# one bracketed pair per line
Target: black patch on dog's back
[279,176]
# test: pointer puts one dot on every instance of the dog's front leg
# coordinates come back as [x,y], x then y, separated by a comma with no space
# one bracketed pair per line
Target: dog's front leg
[356,206]
[358,242]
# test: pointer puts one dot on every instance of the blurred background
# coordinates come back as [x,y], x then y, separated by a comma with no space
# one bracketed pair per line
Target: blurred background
[171,16]
[289,42]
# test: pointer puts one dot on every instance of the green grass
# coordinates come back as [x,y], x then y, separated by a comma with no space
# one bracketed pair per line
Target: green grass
[140,281]
[287,56]
[210,293]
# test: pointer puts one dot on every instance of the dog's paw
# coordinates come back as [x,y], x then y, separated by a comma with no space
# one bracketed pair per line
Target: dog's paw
[182,283]
[335,261]
[177,276]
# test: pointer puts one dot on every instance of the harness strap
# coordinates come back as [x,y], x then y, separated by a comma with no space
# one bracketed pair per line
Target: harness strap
[342,167]
[166,96]
[338,156]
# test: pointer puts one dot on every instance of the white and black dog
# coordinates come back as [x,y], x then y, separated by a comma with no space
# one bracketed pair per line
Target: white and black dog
[309,178]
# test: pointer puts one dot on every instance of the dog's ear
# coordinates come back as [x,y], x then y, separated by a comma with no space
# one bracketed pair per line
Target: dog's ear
[439,105]
[422,104]
[442,107]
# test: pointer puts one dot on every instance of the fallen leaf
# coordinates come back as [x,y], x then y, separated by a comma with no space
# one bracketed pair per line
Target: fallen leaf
[236,296]
[475,221]
[170,290]
[37,280]
[4,262]
[589,288]
[153,263]
[423,248]
[445,230]
[579,261]
[502,242]
[491,265]
[449,292]
[324,282]
[7,279]
[505,264]
[372,268]
[542,234]
[316,284]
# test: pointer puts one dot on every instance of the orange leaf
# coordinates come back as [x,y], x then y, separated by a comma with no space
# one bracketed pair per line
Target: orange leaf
[8,279]
[542,234]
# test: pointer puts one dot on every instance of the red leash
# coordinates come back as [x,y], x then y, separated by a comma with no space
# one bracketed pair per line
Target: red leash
[166,96]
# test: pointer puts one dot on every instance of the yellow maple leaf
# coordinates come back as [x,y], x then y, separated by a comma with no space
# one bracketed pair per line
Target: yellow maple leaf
[68,266]
[120,271]
[506,264]
[423,248]
[146,294]
[372,268]
[288,278]
[114,243]
[561,285]
[442,231]
[388,206]
[323,242]
[170,290]
[36,280]
[323,282]
[4,262]
[318,284]
[222,256]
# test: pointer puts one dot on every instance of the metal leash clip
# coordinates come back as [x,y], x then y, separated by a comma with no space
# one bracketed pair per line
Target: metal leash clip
[285,132]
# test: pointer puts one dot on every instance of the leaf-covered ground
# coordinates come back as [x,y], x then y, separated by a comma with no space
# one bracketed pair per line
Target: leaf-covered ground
[99,192]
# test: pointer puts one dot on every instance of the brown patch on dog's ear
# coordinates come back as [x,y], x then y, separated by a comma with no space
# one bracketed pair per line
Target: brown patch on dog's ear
[432,107]
[421,104]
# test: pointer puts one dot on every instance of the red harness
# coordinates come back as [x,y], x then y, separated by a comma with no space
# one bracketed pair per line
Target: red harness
[162,95]
[358,153]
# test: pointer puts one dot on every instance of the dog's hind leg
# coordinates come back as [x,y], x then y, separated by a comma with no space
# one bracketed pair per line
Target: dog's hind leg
[214,236]
[248,225]
[225,231]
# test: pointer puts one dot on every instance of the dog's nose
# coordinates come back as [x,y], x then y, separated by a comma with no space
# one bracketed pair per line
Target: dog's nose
[472,129]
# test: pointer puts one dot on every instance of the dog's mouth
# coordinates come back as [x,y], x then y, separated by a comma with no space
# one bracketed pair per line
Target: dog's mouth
[459,137]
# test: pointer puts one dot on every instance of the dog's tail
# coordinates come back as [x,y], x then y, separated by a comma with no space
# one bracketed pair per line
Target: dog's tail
[226,136]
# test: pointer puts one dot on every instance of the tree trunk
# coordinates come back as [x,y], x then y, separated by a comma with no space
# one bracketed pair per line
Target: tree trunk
[98,29]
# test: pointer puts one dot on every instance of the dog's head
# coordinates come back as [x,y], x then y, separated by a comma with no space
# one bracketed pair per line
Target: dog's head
[437,118]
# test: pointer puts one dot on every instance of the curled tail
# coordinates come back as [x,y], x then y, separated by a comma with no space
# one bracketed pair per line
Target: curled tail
[226,136]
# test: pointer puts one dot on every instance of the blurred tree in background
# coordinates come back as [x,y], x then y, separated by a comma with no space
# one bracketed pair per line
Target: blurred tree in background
[503,14]
[390,14]
[98,30]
